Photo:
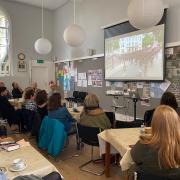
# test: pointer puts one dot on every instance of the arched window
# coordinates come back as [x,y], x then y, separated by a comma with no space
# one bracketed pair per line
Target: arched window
[4,44]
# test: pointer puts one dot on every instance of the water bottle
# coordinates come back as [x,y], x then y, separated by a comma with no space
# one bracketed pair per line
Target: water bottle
[142,129]
[3,173]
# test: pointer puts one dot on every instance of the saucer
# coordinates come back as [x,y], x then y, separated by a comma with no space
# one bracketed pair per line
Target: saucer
[12,168]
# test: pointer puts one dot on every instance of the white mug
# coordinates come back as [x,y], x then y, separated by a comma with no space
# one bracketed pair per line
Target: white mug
[18,164]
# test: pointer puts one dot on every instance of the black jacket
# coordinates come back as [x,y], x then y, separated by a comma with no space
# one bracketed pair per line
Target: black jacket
[16,93]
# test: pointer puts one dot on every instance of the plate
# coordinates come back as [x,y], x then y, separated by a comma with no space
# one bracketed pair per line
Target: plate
[16,170]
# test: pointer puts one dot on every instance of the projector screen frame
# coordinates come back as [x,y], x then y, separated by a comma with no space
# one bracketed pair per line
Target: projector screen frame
[131,30]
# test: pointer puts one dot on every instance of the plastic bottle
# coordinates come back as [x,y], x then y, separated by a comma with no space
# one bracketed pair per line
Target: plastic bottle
[142,129]
[3,173]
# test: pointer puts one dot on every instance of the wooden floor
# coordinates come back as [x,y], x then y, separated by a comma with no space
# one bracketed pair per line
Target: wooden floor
[68,166]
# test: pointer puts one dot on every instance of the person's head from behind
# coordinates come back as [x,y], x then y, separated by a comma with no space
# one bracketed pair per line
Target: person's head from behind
[41,97]
[3,91]
[15,85]
[54,101]
[165,136]
[91,102]
[29,94]
[2,84]
[34,85]
[169,99]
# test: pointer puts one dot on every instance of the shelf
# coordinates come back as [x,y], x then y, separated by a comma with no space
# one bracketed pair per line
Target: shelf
[80,58]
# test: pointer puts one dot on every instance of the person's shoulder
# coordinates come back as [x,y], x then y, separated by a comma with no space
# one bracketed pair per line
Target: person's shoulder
[62,109]
[140,148]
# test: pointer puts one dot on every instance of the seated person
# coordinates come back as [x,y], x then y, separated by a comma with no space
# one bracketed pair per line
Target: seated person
[8,94]
[53,88]
[57,111]
[168,99]
[29,102]
[41,102]
[3,132]
[93,115]
[34,86]
[7,110]
[159,152]
[17,91]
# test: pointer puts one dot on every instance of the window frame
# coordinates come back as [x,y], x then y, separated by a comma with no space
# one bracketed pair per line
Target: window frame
[8,71]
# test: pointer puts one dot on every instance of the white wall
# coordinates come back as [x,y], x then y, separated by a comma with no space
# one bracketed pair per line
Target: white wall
[173,24]
[26,28]
[91,15]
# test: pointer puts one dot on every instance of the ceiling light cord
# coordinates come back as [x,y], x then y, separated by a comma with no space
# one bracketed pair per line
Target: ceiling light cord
[42,18]
[74,11]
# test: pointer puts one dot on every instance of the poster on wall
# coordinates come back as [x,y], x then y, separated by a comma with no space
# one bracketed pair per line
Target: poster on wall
[82,79]
[157,89]
[172,55]
[82,76]
[175,89]
[67,77]
[95,78]
[60,77]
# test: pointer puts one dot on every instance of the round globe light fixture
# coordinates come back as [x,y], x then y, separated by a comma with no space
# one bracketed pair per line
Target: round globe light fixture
[74,35]
[43,46]
[145,13]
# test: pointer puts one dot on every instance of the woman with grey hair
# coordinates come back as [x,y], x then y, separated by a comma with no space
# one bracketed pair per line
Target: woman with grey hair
[92,115]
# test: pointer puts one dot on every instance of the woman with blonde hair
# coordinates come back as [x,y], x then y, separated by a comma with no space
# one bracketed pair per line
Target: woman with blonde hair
[93,115]
[159,153]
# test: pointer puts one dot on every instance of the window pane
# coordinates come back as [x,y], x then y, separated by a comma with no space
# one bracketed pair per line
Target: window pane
[4,45]
[3,33]
[3,22]
[3,42]
[3,53]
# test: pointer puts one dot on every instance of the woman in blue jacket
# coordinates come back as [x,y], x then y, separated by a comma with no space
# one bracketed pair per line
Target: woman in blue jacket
[57,111]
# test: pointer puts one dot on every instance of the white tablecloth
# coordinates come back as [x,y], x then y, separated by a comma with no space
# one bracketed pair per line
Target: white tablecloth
[76,115]
[119,139]
[36,163]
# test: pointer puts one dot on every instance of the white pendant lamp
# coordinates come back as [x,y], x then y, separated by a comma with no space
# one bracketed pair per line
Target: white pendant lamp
[145,13]
[42,45]
[74,34]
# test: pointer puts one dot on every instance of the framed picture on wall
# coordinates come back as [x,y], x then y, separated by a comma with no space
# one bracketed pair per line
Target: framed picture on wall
[22,66]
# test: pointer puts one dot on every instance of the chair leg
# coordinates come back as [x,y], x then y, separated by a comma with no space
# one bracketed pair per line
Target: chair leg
[91,161]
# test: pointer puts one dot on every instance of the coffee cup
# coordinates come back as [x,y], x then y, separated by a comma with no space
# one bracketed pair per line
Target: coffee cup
[147,130]
[18,164]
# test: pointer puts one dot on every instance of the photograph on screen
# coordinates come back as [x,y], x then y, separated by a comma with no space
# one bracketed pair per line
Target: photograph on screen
[137,55]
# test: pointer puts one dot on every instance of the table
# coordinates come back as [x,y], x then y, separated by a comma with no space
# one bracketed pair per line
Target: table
[116,140]
[76,115]
[16,102]
[36,163]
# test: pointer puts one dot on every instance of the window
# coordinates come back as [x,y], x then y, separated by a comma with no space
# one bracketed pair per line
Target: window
[4,45]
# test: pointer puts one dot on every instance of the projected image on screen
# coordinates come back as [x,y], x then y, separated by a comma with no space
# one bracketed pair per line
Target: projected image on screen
[135,56]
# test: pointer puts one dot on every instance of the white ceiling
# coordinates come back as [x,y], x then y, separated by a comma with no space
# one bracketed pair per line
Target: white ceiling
[53,4]
[49,4]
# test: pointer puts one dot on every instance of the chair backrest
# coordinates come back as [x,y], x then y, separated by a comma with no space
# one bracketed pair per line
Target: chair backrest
[7,111]
[27,118]
[111,117]
[144,175]
[88,135]
[132,124]
[3,131]
[76,94]
[148,117]
[52,136]
[82,95]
